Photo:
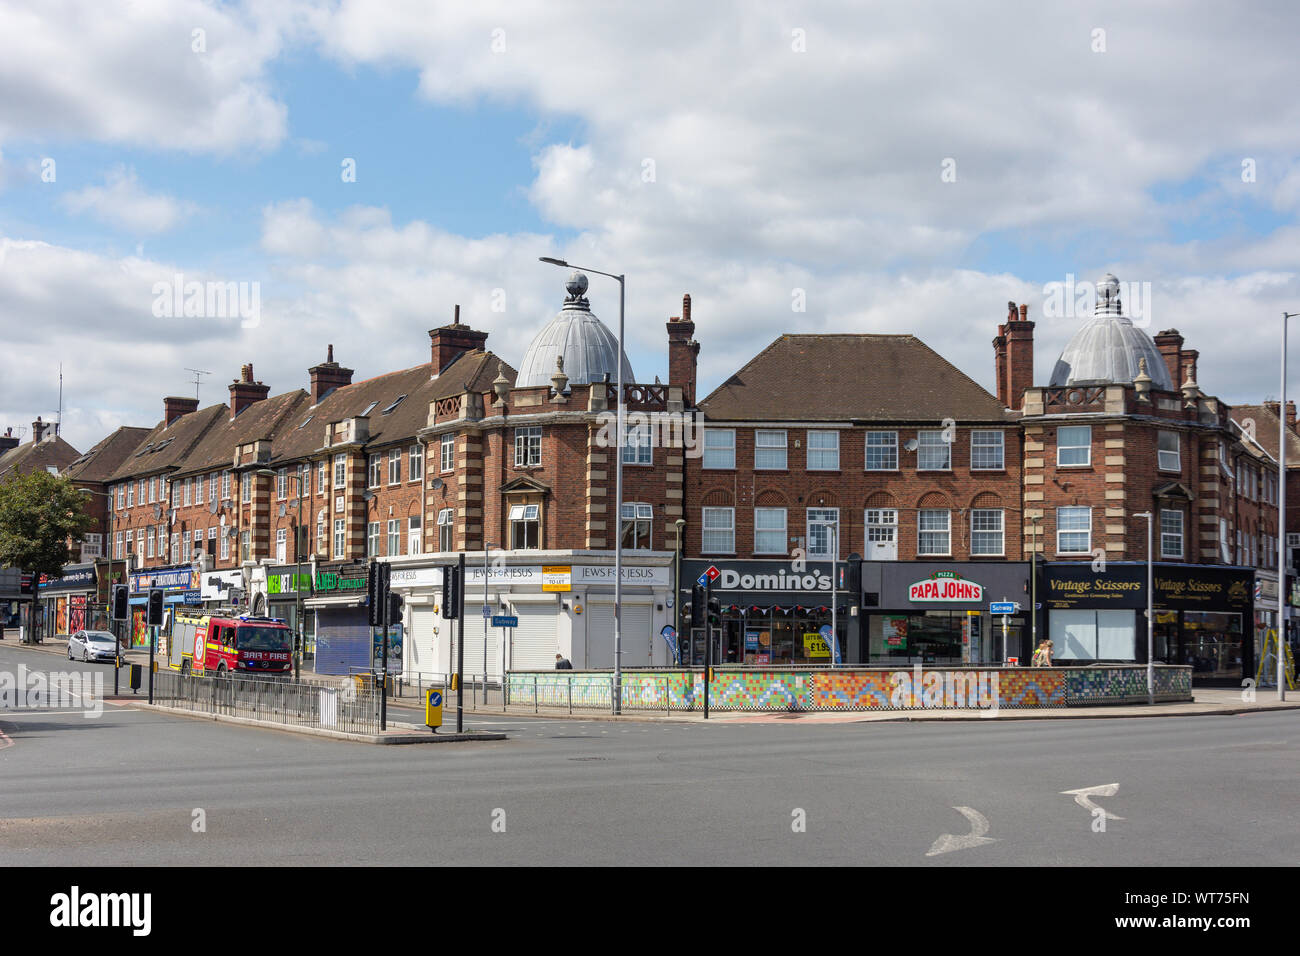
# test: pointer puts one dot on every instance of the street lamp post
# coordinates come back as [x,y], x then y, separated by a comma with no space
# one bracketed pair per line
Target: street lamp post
[835,554]
[680,523]
[297,575]
[1033,589]
[1151,615]
[1282,606]
[108,550]
[486,546]
[617,692]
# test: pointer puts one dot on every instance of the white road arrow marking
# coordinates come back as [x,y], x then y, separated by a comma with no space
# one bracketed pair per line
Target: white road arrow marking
[978,827]
[1083,793]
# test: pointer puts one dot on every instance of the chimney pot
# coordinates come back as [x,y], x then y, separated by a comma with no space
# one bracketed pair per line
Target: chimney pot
[686,307]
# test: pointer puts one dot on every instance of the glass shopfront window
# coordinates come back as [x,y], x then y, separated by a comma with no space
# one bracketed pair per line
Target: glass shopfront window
[767,636]
[1211,644]
[930,636]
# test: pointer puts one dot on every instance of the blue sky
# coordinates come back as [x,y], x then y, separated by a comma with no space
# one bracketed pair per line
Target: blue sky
[754,156]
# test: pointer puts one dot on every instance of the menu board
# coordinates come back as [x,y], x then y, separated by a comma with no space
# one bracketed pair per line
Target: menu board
[896,631]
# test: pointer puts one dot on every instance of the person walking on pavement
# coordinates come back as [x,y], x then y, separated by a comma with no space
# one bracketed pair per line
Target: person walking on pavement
[562,663]
[1043,655]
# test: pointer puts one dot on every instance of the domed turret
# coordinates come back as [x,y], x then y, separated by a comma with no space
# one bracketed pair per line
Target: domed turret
[588,349]
[1109,348]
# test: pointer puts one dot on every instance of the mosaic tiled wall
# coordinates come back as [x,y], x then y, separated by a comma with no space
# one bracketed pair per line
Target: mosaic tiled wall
[852,690]
[1110,685]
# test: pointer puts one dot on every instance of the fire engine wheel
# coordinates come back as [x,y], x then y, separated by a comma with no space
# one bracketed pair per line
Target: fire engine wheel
[221,670]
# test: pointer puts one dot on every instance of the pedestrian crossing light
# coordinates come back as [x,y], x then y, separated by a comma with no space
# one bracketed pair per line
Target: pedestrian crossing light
[715,612]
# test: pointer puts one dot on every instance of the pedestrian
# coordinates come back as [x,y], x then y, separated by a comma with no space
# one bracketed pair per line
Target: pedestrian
[562,663]
[1043,655]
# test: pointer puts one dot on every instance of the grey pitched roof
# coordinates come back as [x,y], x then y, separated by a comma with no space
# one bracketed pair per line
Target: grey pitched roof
[38,455]
[108,455]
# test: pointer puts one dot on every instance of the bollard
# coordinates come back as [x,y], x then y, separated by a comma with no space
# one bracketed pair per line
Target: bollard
[534,693]
[570,696]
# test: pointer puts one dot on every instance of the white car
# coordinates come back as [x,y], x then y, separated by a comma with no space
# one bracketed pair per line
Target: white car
[92,646]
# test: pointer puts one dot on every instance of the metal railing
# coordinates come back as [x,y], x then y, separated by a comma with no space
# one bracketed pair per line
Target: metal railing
[481,692]
[348,709]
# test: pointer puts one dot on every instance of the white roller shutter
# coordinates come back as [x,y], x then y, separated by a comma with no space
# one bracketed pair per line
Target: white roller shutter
[421,643]
[474,648]
[635,635]
[534,643]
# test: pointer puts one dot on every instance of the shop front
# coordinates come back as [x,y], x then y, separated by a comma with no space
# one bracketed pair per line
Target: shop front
[336,625]
[69,603]
[180,585]
[774,612]
[1204,616]
[223,589]
[559,602]
[922,612]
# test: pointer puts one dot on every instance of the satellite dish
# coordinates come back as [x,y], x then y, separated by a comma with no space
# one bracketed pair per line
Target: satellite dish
[435,484]
[157,511]
[281,511]
[212,506]
[230,532]
[367,496]
[911,444]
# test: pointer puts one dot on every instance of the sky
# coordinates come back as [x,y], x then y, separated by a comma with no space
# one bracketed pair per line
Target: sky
[357,169]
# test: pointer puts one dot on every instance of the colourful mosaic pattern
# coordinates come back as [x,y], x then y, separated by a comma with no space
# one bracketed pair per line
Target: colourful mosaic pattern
[1117,685]
[851,690]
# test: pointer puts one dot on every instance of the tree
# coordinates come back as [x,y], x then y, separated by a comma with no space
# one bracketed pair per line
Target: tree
[39,513]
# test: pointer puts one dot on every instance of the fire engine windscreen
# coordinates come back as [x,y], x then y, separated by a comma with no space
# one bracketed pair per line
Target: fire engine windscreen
[262,639]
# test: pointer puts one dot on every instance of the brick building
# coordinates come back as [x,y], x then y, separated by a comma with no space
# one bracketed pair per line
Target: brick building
[870,446]
[1123,429]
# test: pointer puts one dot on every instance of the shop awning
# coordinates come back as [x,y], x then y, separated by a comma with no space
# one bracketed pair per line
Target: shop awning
[338,600]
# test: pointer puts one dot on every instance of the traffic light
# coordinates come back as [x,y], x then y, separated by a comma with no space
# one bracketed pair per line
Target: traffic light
[715,612]
[155,615]
[450,593]
[696,607]
[121,606]
[394,608]
[377,582]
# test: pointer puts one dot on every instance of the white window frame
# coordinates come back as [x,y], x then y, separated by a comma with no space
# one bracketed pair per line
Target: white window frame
[637,447]
[528,446]
[1075,445]
[415,462]
[929,516]
[927,442]
[979,439]
[372,539]
[821,453]
[447,453]
[776,536]
[340,471]
[340,537]
[719,449]
[130,494]
[1168,534]
[245,487]
[881,446]
[281,545]
[322,471]
[821,518]
[724,532]
[148,543]
[394,466]
[198,489]
[394,542]
[1164,463]
[637,516]
[189,491]
[212,487]
[414,534]
[521,516]
[374,470]
[153,489]
[225,545]
[1076,512]
[225,486]
[446,529]
[774,445]
[987,517]
[281,484]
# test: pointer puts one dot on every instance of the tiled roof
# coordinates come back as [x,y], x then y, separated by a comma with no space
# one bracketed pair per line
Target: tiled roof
[270,419]
[107,456]
[886,378]
[38,456]
[168,445]
[473,371]
[1265,429]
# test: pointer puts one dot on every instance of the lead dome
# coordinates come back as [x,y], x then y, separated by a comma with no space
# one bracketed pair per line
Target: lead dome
[589,349]
[1109,348]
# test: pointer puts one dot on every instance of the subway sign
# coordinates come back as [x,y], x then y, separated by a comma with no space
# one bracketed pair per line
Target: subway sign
[945,586]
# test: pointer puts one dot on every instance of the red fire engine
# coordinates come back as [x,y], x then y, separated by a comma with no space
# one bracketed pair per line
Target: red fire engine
[243,644]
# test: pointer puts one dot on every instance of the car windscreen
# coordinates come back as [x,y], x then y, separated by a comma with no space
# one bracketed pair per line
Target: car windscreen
[262,639]
[99,637]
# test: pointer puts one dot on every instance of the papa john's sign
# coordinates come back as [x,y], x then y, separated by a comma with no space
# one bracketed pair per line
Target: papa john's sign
[945,586]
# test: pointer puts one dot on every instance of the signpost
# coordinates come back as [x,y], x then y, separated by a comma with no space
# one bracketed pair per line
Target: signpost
[1005,608]
[505,620]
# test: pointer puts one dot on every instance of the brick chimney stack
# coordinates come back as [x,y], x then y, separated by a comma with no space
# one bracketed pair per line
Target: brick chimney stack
[1170,344]
[328,376]
[1013,352]
[39,428]
[245,391]
[174,407]
[7,441]
[683,352]
[1290,415]
[450,342]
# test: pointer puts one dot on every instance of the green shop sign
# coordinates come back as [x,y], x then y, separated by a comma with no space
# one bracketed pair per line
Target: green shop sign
[325,581]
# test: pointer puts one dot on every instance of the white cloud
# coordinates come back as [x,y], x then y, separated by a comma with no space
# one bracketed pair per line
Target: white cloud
[122,202]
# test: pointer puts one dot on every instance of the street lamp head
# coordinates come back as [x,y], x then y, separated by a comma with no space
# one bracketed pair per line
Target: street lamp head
[680,522]
[265,473]
[1142,514]
[554,262]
